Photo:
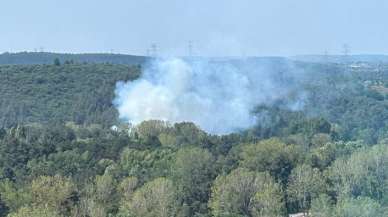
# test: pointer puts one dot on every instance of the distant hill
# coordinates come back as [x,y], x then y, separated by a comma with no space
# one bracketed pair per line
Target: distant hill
[32,58]
[29,58]
[373,58]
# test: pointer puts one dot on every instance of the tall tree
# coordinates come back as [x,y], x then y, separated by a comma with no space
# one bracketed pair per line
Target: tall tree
[305,183]
[156,198]
[321,206]
[270,155]
[246,193]
[193,172]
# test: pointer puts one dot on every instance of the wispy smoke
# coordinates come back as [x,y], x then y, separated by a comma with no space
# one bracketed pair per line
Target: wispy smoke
[217,95]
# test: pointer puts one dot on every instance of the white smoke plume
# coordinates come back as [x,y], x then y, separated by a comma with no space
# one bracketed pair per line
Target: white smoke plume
[218,96]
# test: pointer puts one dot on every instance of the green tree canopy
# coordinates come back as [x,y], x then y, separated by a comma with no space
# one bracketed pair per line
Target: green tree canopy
[246,193]
[156,198]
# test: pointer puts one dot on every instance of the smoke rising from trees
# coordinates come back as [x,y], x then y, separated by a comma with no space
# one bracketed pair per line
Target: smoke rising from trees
[217,96]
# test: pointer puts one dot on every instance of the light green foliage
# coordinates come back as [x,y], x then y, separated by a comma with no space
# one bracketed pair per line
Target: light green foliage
[193,172]
[167,139]
[188,134]
[146,164]
[321,206]
[105,188]
[269,200]
[322,156]
[321,139]
[149,131]
[305,184]
[35,212]
[359,207]
[13,196]
[347,207]
[246,193]
[155,133]
[364,173]
[270,155]
[127,187]
[46,196]
[156,198]
[99,197]
[52,192]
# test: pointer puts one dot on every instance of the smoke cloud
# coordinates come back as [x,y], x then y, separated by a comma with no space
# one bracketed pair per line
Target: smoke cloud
[217,95]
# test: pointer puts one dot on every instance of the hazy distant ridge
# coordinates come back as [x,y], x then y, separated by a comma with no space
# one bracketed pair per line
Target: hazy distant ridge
[341,58]
[48,58]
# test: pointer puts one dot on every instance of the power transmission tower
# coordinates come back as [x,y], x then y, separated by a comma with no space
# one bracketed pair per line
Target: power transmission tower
[190,49]
[154,49]
[325,56]
[380,71]
[345,49]
[326,61]
[326,65]
[346,52]
[148,52]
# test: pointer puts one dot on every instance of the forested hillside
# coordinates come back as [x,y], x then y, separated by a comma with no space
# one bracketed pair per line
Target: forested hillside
[82,93]
[48,58]
[61,157]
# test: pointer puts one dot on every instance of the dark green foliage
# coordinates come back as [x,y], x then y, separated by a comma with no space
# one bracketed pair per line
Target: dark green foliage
[3,209]
[193,173]
[60,93]
[57,62]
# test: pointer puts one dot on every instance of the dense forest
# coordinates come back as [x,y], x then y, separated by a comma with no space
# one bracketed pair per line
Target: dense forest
[27,58]
[81,93]
[60,155]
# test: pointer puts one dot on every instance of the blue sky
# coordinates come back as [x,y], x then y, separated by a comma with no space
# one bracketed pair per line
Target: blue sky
[217,28]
